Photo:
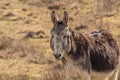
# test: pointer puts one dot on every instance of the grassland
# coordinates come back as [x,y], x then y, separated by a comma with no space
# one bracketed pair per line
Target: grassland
[24,34]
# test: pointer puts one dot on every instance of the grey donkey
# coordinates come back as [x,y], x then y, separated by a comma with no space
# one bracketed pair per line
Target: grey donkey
[95,54]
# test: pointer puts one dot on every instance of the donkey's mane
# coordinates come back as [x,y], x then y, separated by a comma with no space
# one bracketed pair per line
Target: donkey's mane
[99,50]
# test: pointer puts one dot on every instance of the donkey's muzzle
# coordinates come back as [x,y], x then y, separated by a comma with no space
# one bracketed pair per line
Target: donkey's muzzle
[57,56]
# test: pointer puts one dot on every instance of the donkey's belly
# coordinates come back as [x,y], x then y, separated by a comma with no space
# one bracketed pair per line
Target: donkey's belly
[100,63]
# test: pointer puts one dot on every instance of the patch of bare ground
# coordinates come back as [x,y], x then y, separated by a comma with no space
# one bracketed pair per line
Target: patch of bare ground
[35,35]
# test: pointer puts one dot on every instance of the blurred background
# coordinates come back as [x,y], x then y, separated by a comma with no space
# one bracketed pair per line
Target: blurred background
[25,26]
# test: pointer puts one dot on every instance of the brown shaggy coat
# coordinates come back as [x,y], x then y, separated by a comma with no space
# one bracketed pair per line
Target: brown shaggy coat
[99,50]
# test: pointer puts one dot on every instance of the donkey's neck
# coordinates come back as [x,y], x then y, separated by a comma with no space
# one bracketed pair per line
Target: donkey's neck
[73,44]
[79,52]
[78,41]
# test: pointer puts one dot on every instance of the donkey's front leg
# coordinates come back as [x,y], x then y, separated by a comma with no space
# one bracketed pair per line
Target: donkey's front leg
[67,74]
[66,67]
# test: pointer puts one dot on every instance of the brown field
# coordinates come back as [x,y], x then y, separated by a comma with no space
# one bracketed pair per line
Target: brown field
[24,34]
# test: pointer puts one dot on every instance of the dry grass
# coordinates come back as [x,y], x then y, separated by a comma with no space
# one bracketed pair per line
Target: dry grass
[31,58]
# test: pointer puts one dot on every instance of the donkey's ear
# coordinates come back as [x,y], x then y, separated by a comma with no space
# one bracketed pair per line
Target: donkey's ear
[65,17]
[53,17]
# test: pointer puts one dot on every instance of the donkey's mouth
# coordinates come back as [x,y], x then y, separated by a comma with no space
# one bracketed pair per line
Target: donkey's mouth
[58,56]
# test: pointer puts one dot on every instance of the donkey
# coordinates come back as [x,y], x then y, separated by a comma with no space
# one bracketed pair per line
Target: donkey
[96,53]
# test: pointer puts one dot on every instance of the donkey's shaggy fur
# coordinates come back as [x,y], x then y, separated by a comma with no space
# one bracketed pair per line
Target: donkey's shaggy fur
[94,52]
[98,49]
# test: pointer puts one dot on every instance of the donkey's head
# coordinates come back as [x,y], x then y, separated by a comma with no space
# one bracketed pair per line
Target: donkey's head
[60,40]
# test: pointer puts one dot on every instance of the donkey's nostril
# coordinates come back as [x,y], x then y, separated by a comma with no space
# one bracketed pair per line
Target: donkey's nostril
[57,55]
